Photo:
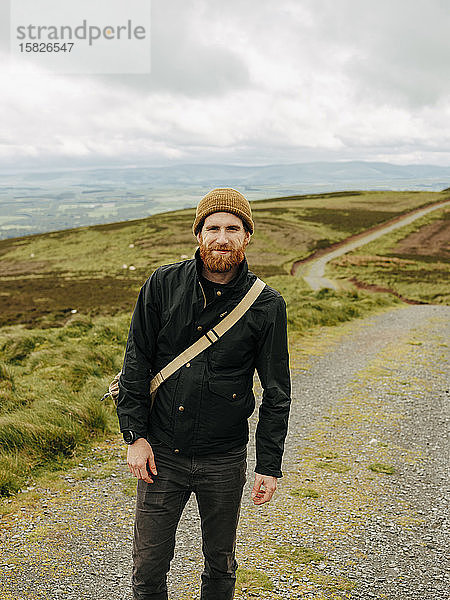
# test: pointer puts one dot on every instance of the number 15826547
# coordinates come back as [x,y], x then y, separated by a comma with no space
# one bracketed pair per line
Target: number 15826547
[46,47]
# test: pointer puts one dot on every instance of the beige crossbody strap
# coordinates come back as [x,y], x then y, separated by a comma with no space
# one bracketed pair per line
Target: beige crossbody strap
[209,338]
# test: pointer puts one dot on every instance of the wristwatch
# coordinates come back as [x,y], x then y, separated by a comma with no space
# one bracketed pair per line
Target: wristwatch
[129,437]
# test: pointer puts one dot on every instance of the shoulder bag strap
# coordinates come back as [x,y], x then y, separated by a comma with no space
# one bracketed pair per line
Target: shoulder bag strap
[209,338]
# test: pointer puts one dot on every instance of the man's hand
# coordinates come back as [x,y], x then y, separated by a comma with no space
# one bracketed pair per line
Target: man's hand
[141,461]
[264,488]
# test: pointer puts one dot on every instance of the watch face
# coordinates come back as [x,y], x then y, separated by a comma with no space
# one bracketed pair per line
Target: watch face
[128,437]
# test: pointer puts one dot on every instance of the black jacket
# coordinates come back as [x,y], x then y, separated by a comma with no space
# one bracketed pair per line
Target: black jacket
[204,406]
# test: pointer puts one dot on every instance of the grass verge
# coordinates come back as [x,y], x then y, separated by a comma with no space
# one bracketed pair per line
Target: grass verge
[50,384]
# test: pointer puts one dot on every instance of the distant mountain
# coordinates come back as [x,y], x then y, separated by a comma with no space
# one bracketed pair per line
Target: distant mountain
[46,201]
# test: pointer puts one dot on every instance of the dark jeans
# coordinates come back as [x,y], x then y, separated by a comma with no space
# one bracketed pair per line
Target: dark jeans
[217,481]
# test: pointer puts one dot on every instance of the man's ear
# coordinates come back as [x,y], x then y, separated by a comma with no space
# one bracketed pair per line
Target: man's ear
[199,238]
[247,237]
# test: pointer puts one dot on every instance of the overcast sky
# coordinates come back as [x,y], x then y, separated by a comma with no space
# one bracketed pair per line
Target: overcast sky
[248,82]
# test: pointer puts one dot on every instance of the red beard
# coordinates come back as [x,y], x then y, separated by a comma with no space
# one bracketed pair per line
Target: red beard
[221,263]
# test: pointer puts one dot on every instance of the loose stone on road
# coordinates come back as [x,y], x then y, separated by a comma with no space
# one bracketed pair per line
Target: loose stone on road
[360,512]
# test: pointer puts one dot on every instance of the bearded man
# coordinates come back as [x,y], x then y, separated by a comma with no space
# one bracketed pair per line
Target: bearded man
[194,438]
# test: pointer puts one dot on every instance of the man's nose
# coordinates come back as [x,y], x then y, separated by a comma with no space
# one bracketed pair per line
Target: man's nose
[223,237]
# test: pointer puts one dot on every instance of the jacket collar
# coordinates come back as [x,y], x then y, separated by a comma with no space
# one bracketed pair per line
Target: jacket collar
[237,284]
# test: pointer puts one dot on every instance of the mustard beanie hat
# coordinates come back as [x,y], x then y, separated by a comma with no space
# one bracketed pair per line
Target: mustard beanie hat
[223,200]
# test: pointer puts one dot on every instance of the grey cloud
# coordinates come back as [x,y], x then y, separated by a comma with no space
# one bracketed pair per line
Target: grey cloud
[398,50]
[4,25]
[312,72]
[183,64]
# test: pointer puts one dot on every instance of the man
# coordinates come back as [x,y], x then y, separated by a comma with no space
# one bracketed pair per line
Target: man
[194,439]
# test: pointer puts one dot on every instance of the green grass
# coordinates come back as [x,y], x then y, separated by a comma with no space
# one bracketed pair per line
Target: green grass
[83,269]
[51,382]
[305,492]
[308,309]
[334,466]
[328,454]
[299,554]
[331,582]
[381,468]
[252,580]
[302,221]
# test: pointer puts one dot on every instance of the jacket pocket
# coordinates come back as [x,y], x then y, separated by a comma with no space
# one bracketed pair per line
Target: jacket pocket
[228,407]
[234,390]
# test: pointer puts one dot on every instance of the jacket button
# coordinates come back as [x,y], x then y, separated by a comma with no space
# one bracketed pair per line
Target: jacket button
[219,293]
[181,408]
[234,395]
[188,364]
[176,451]
[199,328]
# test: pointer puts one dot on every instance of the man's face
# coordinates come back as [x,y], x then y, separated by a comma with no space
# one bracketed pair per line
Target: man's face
[222,241]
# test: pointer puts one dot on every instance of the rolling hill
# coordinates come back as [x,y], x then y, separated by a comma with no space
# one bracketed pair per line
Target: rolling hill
[66,299]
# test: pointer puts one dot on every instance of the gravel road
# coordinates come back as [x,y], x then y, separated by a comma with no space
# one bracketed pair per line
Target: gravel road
[360,512]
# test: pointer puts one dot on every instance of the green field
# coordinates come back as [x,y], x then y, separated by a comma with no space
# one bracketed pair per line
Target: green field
[55,363]
[413,261]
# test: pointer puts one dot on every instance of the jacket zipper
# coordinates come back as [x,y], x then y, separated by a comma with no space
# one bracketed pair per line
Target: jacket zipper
[203,292]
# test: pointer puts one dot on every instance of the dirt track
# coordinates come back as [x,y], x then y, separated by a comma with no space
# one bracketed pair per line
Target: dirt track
[377,394]
[313,268]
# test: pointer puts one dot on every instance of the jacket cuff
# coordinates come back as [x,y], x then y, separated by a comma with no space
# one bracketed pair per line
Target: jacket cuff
[270,472]
[127,424]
